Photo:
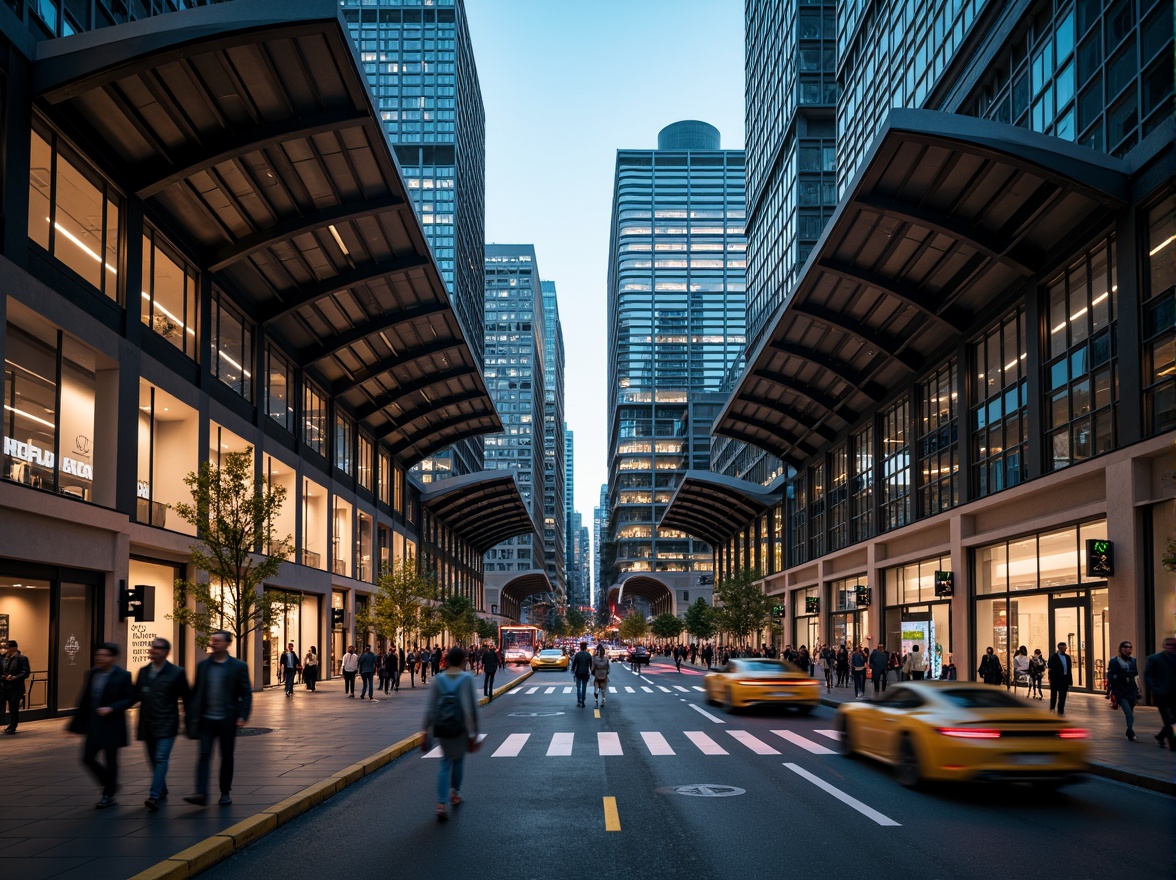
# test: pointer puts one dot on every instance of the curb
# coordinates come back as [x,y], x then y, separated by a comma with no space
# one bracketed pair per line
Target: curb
[203,855]
[1106,771]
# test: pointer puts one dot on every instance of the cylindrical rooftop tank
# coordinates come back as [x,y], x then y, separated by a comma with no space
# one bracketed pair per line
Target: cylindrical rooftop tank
[689,134]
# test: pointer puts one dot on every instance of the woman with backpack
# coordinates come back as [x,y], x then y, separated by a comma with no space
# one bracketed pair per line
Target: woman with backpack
[600,669]
[451,716]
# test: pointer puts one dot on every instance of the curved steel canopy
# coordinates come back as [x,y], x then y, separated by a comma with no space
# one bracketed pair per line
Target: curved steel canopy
[248,130]
[484,508]
[714,507]
[947,215]
[647,587]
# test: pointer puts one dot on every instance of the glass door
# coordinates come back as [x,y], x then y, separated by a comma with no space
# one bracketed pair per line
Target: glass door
[1070,623]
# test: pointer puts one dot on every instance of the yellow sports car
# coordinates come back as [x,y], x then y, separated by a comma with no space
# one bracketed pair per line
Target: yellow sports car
[751,681]
[948,730]
[552,658]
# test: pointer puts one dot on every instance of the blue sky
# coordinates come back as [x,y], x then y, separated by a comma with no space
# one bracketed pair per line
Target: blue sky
[566,84]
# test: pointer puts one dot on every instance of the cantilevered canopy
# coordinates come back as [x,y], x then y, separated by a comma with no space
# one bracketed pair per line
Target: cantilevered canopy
[647,587]
[248,130]
[714,507]
[484,508]
[948,214]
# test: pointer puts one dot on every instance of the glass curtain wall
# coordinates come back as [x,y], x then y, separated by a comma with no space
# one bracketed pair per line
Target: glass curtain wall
[914,615]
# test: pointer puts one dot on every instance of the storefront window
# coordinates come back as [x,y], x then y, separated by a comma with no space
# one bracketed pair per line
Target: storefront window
[278,473]
[806,617]
[279,388]
[168,452]
[341,534]
[915,615]
[159,579]
[846,620]
[363,549]
[895,508]
[297,623]
[24,616]
[1000,406]
[315,526]
[1159,320]
[1163,530]
[222,441]
[232,342]
[169,294]
[314,419]
[938,447]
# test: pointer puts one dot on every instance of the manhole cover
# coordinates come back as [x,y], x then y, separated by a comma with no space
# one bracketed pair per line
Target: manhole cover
[254,731]
[704,790]
[534,714]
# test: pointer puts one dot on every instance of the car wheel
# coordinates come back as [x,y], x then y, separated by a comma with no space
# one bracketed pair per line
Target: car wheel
[729,700]
[804,710]
[907,770]
[846,739]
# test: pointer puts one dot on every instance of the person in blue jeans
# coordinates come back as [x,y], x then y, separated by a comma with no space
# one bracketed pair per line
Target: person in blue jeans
[582,670]
[367,672]
[159,688]
[451,716]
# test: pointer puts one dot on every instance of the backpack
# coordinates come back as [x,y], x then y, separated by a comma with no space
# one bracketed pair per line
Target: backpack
[448,721]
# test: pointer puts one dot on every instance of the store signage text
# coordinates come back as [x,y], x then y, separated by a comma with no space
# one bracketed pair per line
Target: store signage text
[34,454]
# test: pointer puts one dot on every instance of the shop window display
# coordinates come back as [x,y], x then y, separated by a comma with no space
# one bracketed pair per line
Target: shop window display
[314,525]
[168,452]
[278,473]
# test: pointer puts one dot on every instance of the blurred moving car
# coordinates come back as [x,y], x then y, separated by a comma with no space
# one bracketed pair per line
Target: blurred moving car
[639,655]
[948,730]
[550,658]
[753,681]
[616,652]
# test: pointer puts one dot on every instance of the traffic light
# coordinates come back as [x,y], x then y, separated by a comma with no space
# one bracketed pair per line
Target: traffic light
[944,583]
[778,612]
[812,605]
[1100,558]
[337,618]
[863,597]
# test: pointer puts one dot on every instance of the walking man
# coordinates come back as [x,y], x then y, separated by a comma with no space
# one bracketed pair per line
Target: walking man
[879,660]
[367,672]
[857,662]
[14,670]
[1122,686]
[582,670]
[160,687]
[102,718]
[1159,674]
[1061,678]
[220,705]
[489,668]
[388,669]
[426,659]
[349,666]
[290,667]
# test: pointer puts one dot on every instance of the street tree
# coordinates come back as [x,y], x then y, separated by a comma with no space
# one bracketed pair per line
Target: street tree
[559,625]
[700,620]
[633,627]
[234,516]
[577,621]
[429,623]
[487,629]
[744,607]
[667,626]
[458,615]
[395,606]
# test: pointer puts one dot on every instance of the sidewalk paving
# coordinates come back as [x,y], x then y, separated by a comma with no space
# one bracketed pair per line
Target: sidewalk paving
[1111,754]
[50,828]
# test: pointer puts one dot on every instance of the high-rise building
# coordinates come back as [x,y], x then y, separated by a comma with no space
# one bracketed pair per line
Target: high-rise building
[599,524]
[419,61]
[570,501]
[514,361]
[676,326]
[554,462]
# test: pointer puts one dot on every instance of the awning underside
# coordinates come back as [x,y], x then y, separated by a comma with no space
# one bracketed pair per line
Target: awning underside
[484,508]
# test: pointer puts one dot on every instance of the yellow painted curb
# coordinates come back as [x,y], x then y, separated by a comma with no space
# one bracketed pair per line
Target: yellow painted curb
[351,774]
[499,691]
[205,854]
[248,830]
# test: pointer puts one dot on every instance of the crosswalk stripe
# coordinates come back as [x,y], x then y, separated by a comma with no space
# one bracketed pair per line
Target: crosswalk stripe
[656,743]
[608,743]
[561,744]
[667,690]
[567,690]
[705,744]
[629,690]
[435,752]
[549,690]
[512,746]
[807,744]
[697,688]
[832,734]
[756,745]
[647,690]
[516,690]
[612,690]
[679,687]
[532,690]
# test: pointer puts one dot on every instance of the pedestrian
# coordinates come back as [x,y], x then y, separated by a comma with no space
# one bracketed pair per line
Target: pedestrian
[915,666]
[1159,674]
[1021,668]
[1036,674]
[842,662]
[310,668]
[14,671]
[708,655]
[581,667]
[1123,685]
[804,660]
[411,665]
[388,669]
[857,663]
[489,668]
[1061,678]
[349,665]
[879,660]
[600,670]
[438,655]
[367,672]
[694,653]
[160,688]
[990,671]
[678,657]
[290,668]
[399,667]
[451,715]
[102,717]
[221,701]
[426,657]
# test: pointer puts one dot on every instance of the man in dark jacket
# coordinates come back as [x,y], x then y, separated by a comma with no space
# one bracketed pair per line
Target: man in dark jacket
[102,718]
[367,672]
[221,700]
[290,666]
[14,671]
[1061,678]
[879,661]
[1159,674]
[489,667]
[582,670]
[160,687]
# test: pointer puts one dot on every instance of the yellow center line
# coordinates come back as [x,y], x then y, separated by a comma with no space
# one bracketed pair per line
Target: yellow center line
[596,712]
[612,819]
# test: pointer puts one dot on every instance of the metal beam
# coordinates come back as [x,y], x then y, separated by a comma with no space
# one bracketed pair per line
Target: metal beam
[952,319]
[855,378]
[385,365]
[386,321]
[802,389]
[434,430]
[894,349]
[416,413]
[782,452]
[306,296]
[805,420]
[388,398]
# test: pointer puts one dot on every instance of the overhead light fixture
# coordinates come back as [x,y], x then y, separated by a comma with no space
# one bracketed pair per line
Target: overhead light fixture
[338,240]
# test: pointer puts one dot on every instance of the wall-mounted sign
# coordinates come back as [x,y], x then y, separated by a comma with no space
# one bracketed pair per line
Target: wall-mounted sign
[862,597]
[812,605]
[944,583]
[1100,558]
[778,612]
[34,454]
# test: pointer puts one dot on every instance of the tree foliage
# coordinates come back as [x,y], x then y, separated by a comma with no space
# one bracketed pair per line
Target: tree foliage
[458,616]
[234,516]
[700,620]
[487,629]
[577,621]
[395,606]
[744,607]
[633,627]
[667,626]
[559,625]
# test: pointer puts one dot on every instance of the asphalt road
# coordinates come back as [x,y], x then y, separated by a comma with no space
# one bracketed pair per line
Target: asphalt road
[701,793]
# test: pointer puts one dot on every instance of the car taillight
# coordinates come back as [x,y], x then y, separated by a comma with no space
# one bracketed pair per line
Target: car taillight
[809,681]
[969,732]
[1073,733]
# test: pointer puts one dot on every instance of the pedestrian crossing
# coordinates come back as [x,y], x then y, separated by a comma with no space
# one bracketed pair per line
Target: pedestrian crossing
[565,744]
[543,690]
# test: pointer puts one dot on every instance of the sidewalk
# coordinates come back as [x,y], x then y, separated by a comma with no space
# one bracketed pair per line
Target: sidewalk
[49,827]
[1111,754]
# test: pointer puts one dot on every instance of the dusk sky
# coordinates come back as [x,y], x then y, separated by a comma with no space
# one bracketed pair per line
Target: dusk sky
[565,85]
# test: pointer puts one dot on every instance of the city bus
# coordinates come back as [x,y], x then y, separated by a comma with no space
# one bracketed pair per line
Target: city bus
[518,643]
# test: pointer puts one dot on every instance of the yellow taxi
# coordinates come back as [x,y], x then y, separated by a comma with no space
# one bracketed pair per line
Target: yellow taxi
[959,731]
[550,658]
[752,681]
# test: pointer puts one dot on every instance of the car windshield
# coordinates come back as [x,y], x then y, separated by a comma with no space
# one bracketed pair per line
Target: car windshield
[760,666]
[981,698]
[550,653]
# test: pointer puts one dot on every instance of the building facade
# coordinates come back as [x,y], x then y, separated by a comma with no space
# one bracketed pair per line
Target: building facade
[599,524]
[569,494]
[556,466]
[419,60]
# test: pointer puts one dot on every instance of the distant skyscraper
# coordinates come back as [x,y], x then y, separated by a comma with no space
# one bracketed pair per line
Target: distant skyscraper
[676,327]
[599,524]
[419,62]
[570,501]
[554,463]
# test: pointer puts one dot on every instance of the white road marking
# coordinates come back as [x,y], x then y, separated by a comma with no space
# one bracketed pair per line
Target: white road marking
[679,687]
[647,690]
[705,744]
[549,690]
[532,690]
[629,690]
[702,711]
[609,743]
[567,690]
[865,810]
[697,688]
[666,690]
[807,744]
[832,734]
[613,690]
[512,746]
[756,745]
[516,690]
[561,745]
[656,743]
[434,752]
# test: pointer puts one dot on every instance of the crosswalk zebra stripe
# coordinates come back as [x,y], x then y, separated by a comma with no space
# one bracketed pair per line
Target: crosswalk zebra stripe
[435,752]
[666,690]
[656,743]
[705,744]
[567,690]
[549,690]
[608,743]
[561,744]
[697,688]
[629,690]
[679,687]
[516,690]
[647,690]
[756,745]
[612,690]
[532,690]
[807,744]
[832,734]
[511,747]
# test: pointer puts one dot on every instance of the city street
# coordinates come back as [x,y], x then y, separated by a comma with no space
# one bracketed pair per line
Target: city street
[698,792]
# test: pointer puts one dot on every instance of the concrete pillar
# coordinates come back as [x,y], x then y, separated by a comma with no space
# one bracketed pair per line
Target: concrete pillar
[1127,482]
[963,649]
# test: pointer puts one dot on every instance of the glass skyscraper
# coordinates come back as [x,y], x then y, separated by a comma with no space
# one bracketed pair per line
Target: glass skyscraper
[555,464]
[676,318]
[419,61]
